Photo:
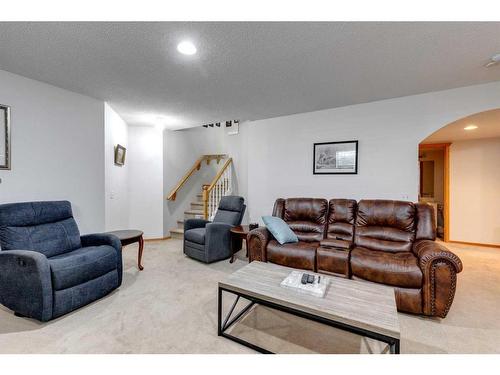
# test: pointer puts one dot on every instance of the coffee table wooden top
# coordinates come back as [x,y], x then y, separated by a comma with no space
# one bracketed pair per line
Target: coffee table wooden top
[127,234]
[240,229]
[357,303]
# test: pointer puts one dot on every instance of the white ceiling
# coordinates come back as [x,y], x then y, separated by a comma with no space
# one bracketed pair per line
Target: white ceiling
[247,71]
[488,126]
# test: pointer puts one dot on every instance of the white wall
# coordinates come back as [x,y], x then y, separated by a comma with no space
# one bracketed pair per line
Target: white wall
[145,180]
[280,150]
[273,157]
[475,191]
[116,177]
[182,148]
[57,148]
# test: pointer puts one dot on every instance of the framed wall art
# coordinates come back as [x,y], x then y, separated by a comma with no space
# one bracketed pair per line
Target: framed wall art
[5,143]
[335,158]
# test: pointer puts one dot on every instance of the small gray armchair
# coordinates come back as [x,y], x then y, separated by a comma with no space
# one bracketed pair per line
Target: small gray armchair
[211,241]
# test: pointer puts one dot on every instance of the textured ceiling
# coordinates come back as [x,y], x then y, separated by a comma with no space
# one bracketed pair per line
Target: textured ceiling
[488,126]
[247,71]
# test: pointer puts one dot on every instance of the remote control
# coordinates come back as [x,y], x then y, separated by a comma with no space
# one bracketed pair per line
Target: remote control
[304,278]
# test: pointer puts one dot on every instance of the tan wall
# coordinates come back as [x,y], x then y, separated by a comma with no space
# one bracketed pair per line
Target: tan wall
[475,191]
[438,157]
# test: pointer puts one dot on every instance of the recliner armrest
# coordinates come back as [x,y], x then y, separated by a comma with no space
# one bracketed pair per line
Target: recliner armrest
[195,223]
[99,239]
[26,284]
[257,243]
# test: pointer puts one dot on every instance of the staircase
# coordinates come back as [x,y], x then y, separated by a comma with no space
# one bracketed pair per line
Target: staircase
[207,202]
[195,211]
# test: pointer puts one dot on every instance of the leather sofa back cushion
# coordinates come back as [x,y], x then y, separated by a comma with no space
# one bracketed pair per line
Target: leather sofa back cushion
[426,224]
[341,216]
[45,227]
[306,217]
[385,225]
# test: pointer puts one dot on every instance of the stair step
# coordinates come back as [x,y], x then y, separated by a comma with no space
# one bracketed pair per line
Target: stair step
[196,205]
[193,214]
[180,224]
[177,233]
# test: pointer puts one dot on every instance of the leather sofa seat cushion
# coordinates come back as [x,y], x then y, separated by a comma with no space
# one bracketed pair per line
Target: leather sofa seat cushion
[196,235]
[339,244]
[396,269]
[296,255]
[82,265]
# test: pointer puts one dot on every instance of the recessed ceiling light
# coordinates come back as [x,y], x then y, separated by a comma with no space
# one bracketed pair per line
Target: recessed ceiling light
[186,48]
[470,127]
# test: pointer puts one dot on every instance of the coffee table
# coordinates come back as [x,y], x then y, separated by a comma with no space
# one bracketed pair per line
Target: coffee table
[130,236]
[360,307]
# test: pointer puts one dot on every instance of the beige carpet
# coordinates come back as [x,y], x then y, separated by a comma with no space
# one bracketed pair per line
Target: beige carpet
[170,307]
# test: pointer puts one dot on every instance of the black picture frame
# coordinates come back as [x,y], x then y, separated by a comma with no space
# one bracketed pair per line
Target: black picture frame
[327,171]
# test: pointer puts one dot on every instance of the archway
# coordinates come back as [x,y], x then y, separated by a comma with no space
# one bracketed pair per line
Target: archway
[457,165]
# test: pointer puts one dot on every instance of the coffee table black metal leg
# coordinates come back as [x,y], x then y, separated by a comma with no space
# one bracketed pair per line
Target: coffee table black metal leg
[394,347]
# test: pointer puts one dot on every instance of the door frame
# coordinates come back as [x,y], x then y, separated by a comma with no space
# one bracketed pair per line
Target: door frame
[446,188]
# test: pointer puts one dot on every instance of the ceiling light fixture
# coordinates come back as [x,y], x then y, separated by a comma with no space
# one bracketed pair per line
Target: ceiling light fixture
[186,48]
[494,60]
[470,127]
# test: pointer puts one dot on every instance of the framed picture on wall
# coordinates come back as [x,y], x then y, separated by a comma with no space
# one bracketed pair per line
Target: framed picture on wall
[335,158]
[120,153]
[5,144]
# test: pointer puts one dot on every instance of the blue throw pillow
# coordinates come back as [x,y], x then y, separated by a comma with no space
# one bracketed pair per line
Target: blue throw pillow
[279,229]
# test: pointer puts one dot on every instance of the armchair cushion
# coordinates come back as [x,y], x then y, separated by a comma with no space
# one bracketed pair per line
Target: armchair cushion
[82,265]
[196,235]
[45,227]
[195,223]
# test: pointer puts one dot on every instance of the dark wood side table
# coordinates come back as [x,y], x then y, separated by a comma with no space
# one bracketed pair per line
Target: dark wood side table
[237,232]
[130,236]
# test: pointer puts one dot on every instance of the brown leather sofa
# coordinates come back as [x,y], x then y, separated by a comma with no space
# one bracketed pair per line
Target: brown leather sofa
[381,241]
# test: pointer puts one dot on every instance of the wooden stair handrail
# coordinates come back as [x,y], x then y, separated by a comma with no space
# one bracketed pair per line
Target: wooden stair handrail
[196,167]
[209,188]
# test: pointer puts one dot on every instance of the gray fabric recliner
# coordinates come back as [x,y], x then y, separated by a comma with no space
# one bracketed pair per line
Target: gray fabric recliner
[46,268]
[211,241]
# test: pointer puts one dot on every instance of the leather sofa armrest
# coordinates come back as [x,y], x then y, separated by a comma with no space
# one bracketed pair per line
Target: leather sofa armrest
[439,267]
[428,252]
[26,284]
[257,241]
[195,223]
[99,239]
